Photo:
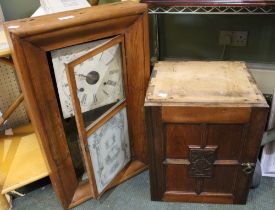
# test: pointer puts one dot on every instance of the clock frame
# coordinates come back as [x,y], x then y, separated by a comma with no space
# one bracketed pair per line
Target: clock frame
[86,131]
[32,39]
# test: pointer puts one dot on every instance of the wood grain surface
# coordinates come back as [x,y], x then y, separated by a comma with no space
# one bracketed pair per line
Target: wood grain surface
[216,82]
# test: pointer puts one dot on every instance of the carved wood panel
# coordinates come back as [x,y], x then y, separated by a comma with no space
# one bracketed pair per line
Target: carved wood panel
[201,161]
[201,153]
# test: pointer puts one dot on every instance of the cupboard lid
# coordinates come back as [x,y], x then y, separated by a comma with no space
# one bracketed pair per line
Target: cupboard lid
[208,82]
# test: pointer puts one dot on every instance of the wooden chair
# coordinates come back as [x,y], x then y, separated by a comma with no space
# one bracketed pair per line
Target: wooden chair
[22,159]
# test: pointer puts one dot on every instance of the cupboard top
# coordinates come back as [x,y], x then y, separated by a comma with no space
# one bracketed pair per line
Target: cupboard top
[213,83]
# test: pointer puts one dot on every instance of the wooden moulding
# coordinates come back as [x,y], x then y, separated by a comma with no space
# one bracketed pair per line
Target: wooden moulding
[83,191]
[206,114]
[32,38]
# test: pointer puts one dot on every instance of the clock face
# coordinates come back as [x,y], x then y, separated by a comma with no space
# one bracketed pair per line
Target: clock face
[110,149]
[99,79]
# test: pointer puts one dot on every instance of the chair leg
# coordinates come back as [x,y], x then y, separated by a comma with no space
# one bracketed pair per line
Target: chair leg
[11,109]
[4,204]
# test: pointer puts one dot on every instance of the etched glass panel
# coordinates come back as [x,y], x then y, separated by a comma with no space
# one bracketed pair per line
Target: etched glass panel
[110,149]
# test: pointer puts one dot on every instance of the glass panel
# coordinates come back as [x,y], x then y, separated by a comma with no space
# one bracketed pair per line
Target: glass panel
[70,129]
[99,83]
[64,56]
[110,149]
[99,79]
[74,147]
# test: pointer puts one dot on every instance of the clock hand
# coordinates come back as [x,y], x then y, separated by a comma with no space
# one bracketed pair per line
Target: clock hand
[81,75]
[105,92]
[91,78]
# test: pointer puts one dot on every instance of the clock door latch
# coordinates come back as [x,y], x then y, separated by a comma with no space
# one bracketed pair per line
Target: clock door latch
[248,168]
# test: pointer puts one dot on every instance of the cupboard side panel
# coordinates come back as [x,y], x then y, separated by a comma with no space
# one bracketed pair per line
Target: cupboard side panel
[250,151]
[156,152]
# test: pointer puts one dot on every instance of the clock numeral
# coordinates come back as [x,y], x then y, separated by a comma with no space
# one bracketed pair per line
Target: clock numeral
[114,71]
[109,61]
[101,56]
[84,99]
[95,98]
[105,92]
[111,82]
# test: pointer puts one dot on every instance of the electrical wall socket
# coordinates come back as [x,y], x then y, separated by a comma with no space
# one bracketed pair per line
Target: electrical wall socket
[233,38]
[239,38]
[225,37]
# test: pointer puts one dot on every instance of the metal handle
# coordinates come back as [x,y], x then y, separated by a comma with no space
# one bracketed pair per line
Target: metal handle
[248,168]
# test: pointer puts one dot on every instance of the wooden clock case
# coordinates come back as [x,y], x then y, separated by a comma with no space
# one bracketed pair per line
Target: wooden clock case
[32,38]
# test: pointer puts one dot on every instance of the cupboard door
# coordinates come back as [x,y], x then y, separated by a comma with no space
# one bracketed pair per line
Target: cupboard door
[202,161]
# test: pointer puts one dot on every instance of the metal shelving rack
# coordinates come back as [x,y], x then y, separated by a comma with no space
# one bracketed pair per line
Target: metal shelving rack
[212,7]
[205,7]
[211,10]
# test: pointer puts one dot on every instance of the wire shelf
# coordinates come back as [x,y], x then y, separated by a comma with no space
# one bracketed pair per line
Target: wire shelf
[177,10]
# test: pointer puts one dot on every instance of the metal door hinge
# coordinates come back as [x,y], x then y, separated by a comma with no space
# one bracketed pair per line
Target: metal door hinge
[248,168]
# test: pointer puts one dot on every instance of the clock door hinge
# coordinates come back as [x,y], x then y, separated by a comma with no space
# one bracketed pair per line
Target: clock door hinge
[87,148]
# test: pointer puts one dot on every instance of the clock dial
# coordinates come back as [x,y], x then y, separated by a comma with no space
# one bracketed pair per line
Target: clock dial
[98,79]
[110,149]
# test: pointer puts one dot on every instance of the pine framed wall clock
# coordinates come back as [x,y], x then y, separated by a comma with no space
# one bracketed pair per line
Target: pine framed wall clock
[84,75]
